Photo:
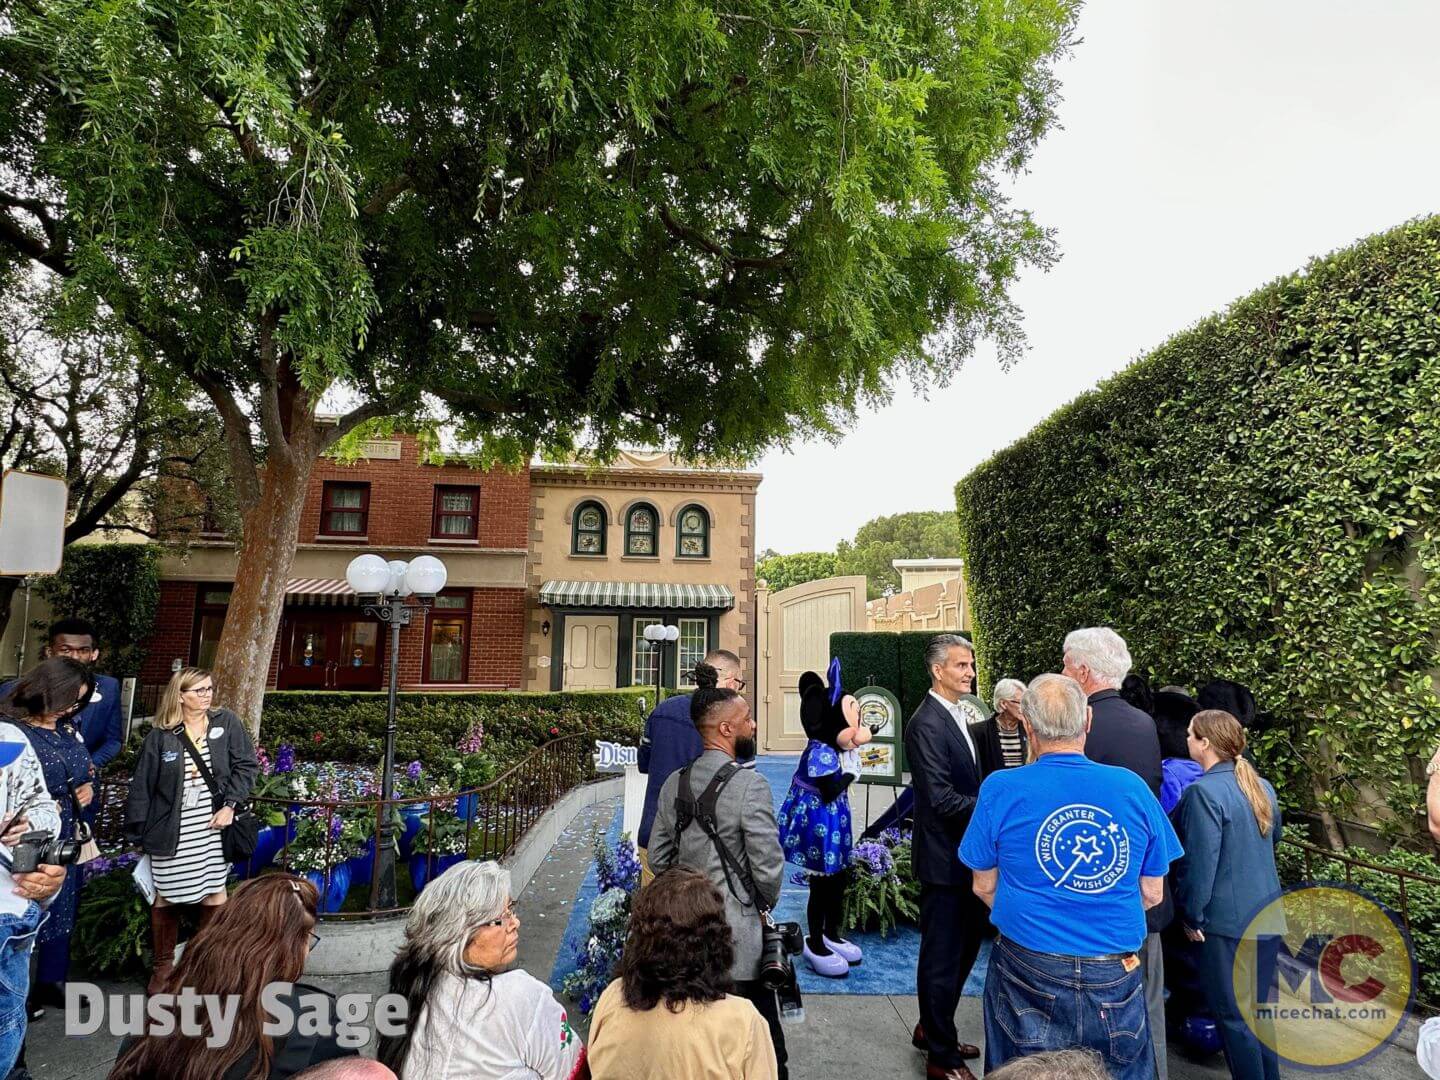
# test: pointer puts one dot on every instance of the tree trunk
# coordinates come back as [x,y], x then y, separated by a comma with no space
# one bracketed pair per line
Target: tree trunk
[8,587]
[271,526]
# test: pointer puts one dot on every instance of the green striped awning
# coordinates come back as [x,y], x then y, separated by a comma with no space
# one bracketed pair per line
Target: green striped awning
[635,594]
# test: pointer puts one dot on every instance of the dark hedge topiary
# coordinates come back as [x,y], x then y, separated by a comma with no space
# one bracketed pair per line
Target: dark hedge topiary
[1254,500]
[351,727]
[117,588]
[885,658]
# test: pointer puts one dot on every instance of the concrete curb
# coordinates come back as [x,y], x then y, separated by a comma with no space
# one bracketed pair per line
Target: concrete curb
[361,948]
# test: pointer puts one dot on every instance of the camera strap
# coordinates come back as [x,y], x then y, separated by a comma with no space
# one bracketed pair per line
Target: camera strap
[689,810]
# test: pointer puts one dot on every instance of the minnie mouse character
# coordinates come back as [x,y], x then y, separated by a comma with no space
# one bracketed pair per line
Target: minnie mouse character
[815,830]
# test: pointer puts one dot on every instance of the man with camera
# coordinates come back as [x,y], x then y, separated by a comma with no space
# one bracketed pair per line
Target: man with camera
[718,818]
[25,806]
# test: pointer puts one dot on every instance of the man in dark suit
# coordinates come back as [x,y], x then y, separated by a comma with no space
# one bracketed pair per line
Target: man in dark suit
[100,722]
[945,772]
[1120,734]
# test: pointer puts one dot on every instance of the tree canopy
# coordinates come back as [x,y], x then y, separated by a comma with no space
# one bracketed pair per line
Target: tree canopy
[705,226]
[918,534]
[783,571]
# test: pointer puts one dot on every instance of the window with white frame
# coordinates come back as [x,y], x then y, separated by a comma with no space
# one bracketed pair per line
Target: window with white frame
[644,655]
[694,643]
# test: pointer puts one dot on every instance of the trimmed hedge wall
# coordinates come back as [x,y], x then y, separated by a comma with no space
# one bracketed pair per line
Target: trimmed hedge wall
[1255,500]
[894,660]
[335,726]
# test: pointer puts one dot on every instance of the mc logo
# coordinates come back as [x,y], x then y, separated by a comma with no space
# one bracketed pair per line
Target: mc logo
[1322,961]
[1324,976]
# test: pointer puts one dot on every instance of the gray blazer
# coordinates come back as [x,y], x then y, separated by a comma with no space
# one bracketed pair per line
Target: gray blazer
[1228,871]
[745,820]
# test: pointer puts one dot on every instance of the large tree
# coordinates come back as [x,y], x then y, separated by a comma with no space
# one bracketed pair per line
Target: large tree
[80,401]
[703,224]
[918,534]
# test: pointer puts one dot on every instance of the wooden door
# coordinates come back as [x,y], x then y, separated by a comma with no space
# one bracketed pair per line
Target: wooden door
[590,652]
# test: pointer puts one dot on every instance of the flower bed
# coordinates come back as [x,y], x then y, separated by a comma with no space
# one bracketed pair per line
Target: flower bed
[882,891]
[618,871]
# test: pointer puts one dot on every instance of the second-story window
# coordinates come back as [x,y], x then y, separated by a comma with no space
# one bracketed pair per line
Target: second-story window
[694,533]
[457,513]
[589,538]
[345,510]
[640,527]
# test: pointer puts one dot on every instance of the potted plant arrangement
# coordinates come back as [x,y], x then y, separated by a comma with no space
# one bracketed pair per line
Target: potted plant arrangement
[324,844]
[882,892]
[276,781]
[618,873]
[438,844]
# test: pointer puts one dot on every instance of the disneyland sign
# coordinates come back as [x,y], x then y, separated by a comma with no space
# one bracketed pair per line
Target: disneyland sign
[613,757]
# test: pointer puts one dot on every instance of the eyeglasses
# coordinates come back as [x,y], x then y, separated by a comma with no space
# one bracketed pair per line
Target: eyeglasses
[203,691]
[314,940]
[508,916]
[739,683]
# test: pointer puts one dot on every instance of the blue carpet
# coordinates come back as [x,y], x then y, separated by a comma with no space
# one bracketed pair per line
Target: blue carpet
[889,966]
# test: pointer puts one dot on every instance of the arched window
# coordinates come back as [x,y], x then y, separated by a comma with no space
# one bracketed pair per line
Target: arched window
[692,537]
[642,527]
[588,534]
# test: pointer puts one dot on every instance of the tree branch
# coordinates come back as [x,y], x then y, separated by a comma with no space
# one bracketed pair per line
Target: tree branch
[389,191]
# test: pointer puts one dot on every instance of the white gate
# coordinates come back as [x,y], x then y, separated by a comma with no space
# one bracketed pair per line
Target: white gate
[793,629]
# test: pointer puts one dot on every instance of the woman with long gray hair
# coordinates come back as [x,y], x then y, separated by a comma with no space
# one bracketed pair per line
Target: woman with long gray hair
[469,1013]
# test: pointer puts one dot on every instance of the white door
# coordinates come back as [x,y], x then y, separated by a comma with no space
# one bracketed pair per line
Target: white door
[590,652]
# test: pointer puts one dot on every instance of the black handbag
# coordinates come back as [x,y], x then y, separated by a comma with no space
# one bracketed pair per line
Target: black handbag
[241,837]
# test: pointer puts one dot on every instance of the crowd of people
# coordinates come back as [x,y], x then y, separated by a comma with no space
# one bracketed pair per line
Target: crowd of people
[1099,832]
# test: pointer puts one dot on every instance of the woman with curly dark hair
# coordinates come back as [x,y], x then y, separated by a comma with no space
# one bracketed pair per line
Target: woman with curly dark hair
[669,1013]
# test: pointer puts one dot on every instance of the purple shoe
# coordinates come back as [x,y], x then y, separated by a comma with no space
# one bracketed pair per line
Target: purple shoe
[848,949]
[833,966]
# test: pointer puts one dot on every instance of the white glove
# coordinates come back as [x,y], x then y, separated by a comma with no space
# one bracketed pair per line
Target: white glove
[850,763]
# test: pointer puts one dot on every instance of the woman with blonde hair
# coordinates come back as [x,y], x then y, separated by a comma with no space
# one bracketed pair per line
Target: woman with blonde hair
[1229,822]
[470,1013]
[195,768]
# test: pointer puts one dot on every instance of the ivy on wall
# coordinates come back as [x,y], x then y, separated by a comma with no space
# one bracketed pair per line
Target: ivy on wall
[1253,500]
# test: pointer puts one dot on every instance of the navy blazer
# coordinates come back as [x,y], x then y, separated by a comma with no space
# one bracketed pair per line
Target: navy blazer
[1228,871]
[1122,735]
[669,744]
[946,778]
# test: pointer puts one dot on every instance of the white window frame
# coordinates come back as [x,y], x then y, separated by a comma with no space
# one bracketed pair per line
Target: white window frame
[638,642]
[682,668]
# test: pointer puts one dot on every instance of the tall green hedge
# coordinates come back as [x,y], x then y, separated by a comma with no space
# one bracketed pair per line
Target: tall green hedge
[1255,500]
[117,588]
[886,658]
[334,726]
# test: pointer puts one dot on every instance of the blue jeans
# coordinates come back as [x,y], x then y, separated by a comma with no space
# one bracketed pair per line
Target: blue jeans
[17,936]
[1043,1001]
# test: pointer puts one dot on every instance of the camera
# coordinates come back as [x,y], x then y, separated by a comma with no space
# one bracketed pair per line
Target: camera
[37,847]
[779,942]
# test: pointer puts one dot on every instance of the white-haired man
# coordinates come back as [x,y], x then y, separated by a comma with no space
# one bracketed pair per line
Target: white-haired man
[1068,854]
[1098,659]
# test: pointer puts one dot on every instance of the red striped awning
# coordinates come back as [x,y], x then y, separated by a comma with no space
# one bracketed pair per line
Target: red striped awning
[326,591]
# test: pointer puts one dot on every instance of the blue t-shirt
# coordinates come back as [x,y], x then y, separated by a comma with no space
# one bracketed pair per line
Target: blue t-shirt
[1072,839]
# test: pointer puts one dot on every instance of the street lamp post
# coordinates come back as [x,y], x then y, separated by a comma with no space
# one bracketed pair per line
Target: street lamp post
[390,583]
[660,636]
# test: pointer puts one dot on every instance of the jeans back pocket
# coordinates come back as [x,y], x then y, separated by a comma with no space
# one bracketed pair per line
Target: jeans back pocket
[1024,1011]
[1124,1022]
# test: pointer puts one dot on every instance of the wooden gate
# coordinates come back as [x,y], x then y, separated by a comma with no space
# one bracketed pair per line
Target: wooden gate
[793,629]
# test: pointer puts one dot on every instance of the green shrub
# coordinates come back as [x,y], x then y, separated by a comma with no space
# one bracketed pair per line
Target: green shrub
[350,727]
[1254,500]
[885,658]
[112,926]
[117,588]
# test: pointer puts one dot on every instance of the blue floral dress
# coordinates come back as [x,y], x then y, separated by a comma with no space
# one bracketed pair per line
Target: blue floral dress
[813,833]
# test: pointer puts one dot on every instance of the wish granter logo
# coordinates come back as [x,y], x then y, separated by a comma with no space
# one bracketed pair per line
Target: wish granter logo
[1083,848]
[1324,976]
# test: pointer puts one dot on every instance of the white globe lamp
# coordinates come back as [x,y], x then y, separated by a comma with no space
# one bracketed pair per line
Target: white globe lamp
[427,575]
[398,570]
[368,575]
[672,634]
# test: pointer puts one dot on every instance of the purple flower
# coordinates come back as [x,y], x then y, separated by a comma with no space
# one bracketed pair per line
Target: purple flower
[875,857]
[413,770]
[285,759]
[337,826]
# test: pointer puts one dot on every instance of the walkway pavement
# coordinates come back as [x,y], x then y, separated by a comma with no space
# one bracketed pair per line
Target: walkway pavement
[851,1036]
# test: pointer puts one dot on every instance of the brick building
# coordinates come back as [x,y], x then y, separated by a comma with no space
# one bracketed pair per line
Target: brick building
[394,503]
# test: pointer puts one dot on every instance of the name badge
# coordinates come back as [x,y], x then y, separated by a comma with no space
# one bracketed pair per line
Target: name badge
[216,732]
[96,696]
[192,798]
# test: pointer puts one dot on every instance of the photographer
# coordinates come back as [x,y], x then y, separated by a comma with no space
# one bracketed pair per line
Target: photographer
[44,703]
[25,805]
[744,822]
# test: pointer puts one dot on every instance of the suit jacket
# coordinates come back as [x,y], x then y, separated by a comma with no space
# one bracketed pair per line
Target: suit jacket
[946,778]
[987,744]
[1228,870]
[745,822]
[100,721]
[1121,734]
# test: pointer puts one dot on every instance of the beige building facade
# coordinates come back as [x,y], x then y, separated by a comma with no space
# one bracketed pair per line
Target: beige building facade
[640,541]
[932,596]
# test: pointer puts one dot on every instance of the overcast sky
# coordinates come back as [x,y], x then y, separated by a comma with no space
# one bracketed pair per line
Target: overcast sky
[1206,150]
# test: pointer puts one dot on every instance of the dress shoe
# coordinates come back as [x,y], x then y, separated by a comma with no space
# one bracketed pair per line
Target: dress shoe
[940,1072]
[968,1051]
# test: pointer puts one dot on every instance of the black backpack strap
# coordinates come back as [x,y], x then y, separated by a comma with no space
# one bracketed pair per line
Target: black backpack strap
[689,810]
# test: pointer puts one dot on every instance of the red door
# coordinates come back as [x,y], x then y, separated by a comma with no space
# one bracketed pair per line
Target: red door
[329,650]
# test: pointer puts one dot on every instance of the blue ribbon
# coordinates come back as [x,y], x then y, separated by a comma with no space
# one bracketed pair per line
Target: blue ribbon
[833,678]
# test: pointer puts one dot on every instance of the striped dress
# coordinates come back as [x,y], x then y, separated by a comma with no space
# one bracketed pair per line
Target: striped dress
[198,867]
